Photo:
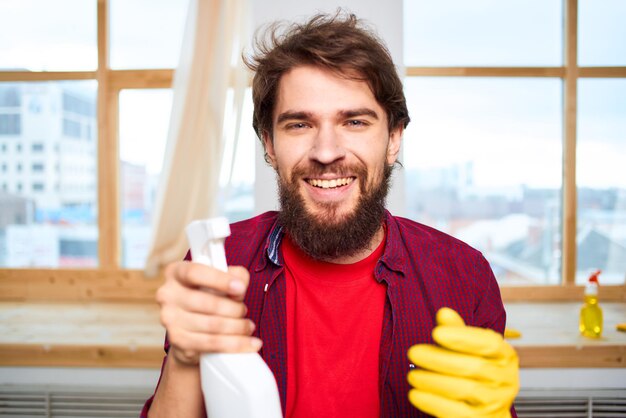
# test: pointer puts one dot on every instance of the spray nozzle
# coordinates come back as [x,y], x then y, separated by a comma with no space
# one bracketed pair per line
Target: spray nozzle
[593,278]
[206,239]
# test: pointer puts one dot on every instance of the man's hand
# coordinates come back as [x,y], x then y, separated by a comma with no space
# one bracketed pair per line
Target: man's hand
[202,310]
[472,373]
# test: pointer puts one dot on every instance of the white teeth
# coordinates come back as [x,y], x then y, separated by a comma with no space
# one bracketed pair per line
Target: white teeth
[328,184]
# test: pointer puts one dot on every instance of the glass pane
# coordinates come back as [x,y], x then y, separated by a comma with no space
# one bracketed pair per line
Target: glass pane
[602,33]
[48,174]
[146,33]
[601,179]
[144,121]
[483,33]
[483,163]
[38,35]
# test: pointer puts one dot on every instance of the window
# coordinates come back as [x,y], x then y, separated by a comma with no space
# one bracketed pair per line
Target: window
[144,118]
[10,124]
[78,103]
[601,179]
[463,181]
[60,36]
[61,113]
[46,220]
[150,42]
[519,45]
[71,128]
[489,156]
[34,106]
[485,33]
[10,97]
[602,33]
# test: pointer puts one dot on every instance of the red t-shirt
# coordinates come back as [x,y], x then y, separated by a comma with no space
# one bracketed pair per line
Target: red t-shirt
[334,324]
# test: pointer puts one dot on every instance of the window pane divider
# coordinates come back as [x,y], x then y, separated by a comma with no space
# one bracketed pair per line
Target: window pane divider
[569,205]
[6,76]
[485,71]
[140,79]
[108,150]
[602,72]
[559,72]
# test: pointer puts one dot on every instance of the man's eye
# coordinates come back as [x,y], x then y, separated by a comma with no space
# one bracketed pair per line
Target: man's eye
[299,125]
[356,123]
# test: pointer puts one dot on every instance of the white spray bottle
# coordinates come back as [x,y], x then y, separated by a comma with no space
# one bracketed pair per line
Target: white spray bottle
[236,385]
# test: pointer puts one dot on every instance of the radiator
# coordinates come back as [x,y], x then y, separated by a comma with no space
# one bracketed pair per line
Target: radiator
[62,402]
[571,403]
[71,402]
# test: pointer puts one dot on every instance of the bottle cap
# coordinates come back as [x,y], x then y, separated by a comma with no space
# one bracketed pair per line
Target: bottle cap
[594,277]
[206,241]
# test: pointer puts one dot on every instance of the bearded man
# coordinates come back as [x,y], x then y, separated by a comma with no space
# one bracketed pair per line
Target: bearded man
[333,289]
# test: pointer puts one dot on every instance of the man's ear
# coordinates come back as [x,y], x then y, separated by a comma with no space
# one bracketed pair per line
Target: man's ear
[393,147]
[268,145]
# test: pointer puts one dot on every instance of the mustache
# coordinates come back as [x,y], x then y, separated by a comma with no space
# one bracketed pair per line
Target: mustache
[316,169]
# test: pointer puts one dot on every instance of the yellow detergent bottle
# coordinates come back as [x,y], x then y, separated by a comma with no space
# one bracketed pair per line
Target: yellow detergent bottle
[591,314]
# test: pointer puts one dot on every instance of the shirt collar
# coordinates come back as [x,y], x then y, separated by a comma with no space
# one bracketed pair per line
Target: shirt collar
[394,256]
[273,243]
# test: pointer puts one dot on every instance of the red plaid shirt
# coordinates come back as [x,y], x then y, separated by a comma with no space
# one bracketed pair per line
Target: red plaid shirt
[424,270]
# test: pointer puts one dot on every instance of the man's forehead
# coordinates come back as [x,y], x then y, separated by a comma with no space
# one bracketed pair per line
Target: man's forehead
[313,91]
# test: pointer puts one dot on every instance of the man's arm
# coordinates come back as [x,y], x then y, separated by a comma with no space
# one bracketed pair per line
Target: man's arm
[202,310]
[178,390]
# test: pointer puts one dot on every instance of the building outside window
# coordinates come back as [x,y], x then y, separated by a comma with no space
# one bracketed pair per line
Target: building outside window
[60,205]
[484,153]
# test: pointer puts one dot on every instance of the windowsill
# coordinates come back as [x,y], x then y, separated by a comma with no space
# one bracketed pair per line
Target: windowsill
[89,334]
[550,336]
[99,334]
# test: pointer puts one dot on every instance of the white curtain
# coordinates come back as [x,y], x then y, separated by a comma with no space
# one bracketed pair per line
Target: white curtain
[210,64]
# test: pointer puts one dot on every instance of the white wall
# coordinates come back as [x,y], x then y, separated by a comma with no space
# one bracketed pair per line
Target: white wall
[386,19]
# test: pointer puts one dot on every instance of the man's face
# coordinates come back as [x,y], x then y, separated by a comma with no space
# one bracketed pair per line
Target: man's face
[331,145]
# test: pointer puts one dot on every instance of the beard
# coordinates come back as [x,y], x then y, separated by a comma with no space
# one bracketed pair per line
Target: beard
[327,235]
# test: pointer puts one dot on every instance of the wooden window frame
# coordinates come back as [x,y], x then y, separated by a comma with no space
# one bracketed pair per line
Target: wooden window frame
[111,282]
[570,73]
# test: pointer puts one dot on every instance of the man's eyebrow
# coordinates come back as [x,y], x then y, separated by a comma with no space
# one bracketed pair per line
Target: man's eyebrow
[353,113]
[293,116]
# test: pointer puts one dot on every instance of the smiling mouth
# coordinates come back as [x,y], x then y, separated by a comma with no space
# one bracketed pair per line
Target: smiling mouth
[330,184]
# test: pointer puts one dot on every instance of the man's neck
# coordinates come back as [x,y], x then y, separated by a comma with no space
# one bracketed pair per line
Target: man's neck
[364,253]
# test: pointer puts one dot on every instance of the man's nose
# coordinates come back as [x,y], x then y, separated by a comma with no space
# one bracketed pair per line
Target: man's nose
[327,146]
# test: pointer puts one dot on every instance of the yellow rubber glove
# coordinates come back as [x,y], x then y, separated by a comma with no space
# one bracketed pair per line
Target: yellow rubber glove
[473,372]
[512,333]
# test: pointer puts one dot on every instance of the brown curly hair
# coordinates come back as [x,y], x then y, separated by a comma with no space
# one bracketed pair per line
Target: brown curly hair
[340,43]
